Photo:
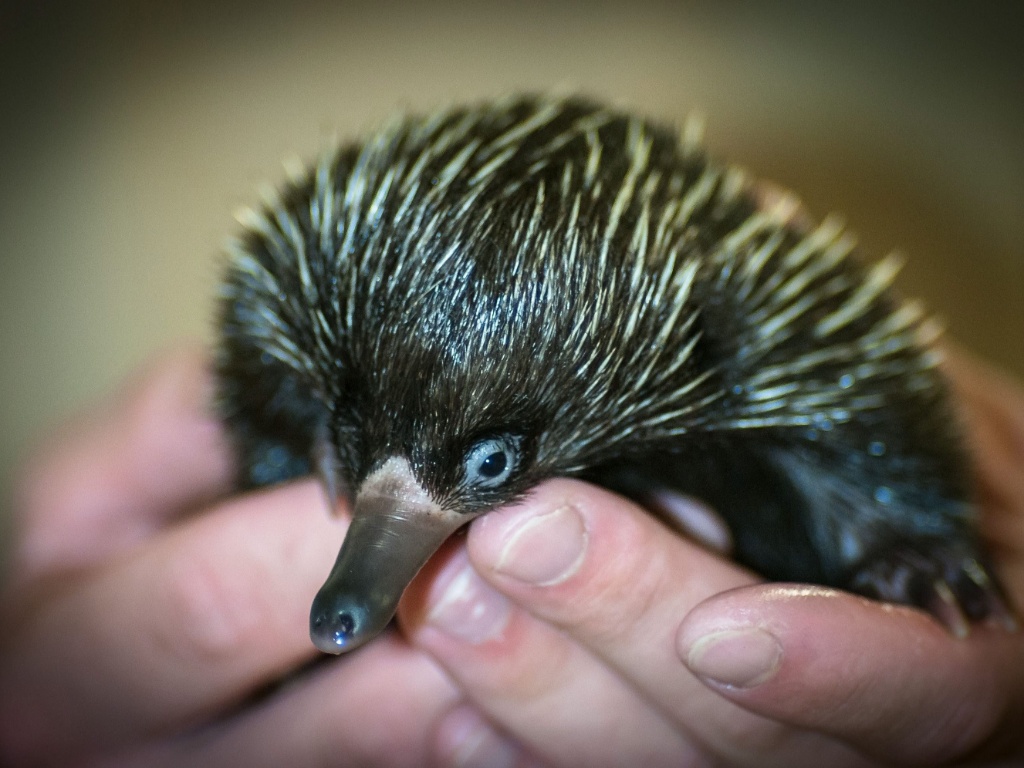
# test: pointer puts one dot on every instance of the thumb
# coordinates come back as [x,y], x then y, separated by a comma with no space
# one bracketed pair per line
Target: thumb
[886,679]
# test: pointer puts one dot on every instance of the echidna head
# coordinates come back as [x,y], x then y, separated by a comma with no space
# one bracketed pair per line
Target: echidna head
[441,420]
[456,401]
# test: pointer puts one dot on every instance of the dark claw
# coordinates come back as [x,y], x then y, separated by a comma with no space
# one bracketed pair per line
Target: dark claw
[949,581]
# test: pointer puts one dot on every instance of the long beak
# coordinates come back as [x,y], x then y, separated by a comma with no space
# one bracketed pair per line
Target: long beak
[395,529]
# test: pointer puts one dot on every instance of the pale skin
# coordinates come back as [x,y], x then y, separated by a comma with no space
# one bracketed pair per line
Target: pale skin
[147,606]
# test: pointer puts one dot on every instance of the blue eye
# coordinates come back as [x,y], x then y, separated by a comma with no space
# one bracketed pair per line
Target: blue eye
[489,463]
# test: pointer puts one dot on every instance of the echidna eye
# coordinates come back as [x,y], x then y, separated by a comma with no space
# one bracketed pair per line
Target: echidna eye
[489,463]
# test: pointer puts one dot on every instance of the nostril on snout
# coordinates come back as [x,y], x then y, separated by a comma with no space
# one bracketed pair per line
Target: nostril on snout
[346,625]
[334,631]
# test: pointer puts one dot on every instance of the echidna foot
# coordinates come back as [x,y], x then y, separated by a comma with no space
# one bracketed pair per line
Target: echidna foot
[949,581]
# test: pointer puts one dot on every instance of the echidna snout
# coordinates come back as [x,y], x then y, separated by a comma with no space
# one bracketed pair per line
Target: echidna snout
[395,528]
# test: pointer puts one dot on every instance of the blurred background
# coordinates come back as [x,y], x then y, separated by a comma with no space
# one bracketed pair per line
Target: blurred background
[130,132]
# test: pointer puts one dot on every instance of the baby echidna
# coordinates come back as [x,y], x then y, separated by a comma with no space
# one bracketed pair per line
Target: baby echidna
[441,316]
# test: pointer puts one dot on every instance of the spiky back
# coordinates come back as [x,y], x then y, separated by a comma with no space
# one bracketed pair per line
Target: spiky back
[556,263]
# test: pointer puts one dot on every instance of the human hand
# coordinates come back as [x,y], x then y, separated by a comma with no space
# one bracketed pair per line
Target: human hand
[590,634]
[148,619]
[116,520]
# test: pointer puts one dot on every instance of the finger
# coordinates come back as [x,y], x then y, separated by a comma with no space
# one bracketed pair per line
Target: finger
[565,707]
[992,395]
[620,583]
[379,706]
[999,489]
[993,407]
[466,739]
[886,679]
[107,480]
[188,624]
[994,410]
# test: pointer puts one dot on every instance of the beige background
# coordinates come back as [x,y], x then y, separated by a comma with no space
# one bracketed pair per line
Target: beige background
[129,136]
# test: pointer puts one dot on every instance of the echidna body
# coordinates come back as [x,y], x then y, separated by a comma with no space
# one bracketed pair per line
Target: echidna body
[441,316]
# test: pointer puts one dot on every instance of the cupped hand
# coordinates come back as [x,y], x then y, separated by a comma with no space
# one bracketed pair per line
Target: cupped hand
[590,634]
[149,619]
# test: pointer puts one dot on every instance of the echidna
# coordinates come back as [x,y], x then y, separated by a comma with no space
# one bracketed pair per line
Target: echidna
[439,317]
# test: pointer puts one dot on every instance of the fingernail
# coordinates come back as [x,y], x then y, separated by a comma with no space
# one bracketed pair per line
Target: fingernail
[469,608]
[466,740]
[695,519]
[544,549]
[738,658]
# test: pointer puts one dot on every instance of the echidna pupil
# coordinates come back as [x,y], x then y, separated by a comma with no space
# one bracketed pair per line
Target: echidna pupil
[652,318]
[493,465]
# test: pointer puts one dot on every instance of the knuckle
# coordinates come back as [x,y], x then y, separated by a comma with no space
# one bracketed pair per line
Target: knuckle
[621,582]
[148,401]
[46,479]
[531,667]
[211,609]
[969,724]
